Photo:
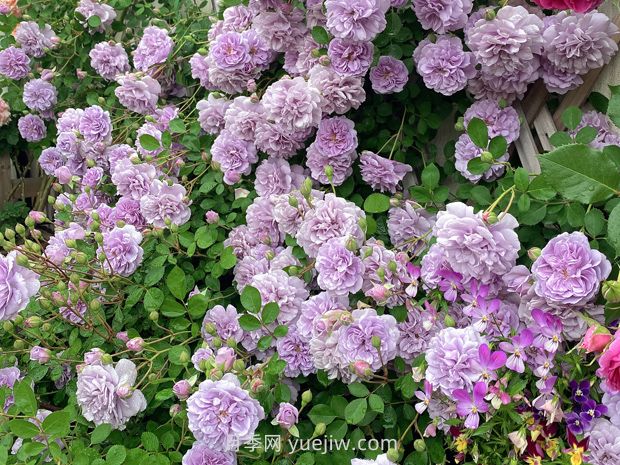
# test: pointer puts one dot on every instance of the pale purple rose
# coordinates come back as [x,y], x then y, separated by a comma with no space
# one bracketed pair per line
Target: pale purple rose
[293,104]
[224,358]
[212,217]
[128,210]
[39,95]
[499,121]
[389,76]
[40,354]
[336,136]
[340,271]
[74,313]
[381,173]
[14,63]
[355,341]
[242,117]
[90,8]
[287,415]
[465,150]
[56,249]
[410,227]
[417,331]
[32,128]
[577,43]
[69,120]
[316,306]
[442,15]
[237,18]
[356,19]
[276,141]
[339,93]
[230,52]
[235,156]
[558,80]
[287,291]
[225,321]
[116,153]
[200,357]
[295,351]
[350,57]
[474,248]
[164,205]
[217,431]
[122,250]
[211,113]
[452,358]
[274,176]
[95,124]
[331,217]
[139,94]
[281,29]
[444,66]
[568,271]
[133,181]
[51,159]
[92,177]
[341,165]
[106,393]
[17,286]
[34,40]
[109,60]
[201,454]
[604,443]
[287,216]
[154,48]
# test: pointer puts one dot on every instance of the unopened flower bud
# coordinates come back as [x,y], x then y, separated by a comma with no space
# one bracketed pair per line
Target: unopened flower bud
[184,357]
[19,344]
[7,326]
[306,397]
[257,385]
[224,358]
[329,172]
[182,389]
[392,455]
[40,354]
[292,201]
[212,217]
[534,253]
[460,124]
[46,327]
[487,157]
[449,321]
[20,229]
[306,188]
[175,409]
[153,316]
[611,291]
[419,445]
[122,336]
[489,14]
[238,365]
[361,368]
[210,329]
[32,322]
[135,344]
[351,244]
[324,60]
[490,217]
[319,429]
[22,260]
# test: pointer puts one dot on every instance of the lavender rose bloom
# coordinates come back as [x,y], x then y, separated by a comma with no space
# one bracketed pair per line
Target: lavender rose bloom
[131,180]
[473,248]
[222,415]
[17,286]
[90,8]
[331,217]
[338,93]
[442,15]
[226,323]
[154,48]
[201,454]
[287,415]
[409,227]
[381,173]
[109,60]
[336,136]
[451,356]
[287,291]
[356,19]
[604,443]
[139,94]
[106,394]
[128,210]
[165,205]
[95,124]
[123,253]
[444,66]
[295,351]
[568,271]
[274,176]
[51,159]
[341,165]
[339,270]
[230,52]
[235,156]
[500,121]
[350,57]
[34,40]
[211,113]
[293,104]
[389,76]
[465,150]
[14,63]
[32,128]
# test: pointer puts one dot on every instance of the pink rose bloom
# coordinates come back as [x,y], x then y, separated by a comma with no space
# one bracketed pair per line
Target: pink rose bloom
[595,339]
[579,6]
[610,366]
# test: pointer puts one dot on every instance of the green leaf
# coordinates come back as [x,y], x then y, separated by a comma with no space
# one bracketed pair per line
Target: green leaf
[94,21]
[150,441]
[23,428]
[320,35]
[613,228]
[594,222]
[613,109]
[355,412]
[149,143]
[280,331]
[521,179]
[321,413]
[175,281]
[116,455]
[179,355]
[228,259]
[249,322]
[498,146]
[25,399]
[478,132]
[177,126]
[560,138]
[586,135]
[264,342]
[358,390]
[376,403]
[100,433]
[377,203]
[572,117]
[205,237]
[270,312]
[534,215]
[251,299]
[430,176]
[172,308]
[153,299]
[580,173]
[57,424]
[477,166]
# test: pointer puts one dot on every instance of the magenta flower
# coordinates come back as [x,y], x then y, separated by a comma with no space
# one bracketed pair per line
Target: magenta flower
[471,406]
[549,329]
[482,312]
[488,362]
[450,284]
[517,348]
[424,396]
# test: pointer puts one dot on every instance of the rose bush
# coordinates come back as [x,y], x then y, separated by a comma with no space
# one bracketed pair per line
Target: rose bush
[255,251]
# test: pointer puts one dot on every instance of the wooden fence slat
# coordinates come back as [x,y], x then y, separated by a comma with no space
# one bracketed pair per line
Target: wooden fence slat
[545,127]
[526,146]
[5,178]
